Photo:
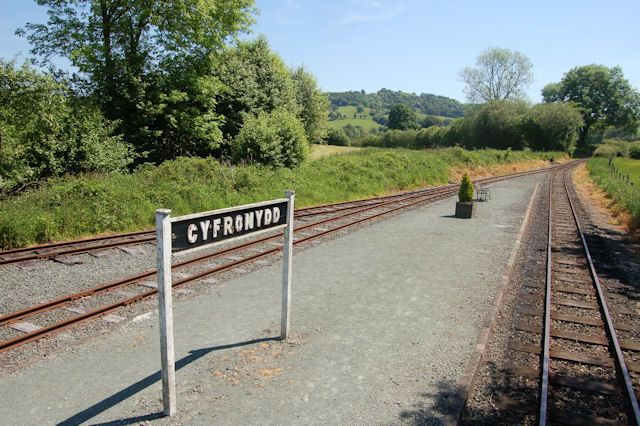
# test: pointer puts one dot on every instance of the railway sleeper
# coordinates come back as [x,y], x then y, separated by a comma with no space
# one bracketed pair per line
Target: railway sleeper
[621,326]
[607,388]
[578,337]
[555,415]
[571,356]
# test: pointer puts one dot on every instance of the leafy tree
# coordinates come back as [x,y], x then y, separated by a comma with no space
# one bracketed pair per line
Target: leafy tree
[498,74]
[496,125]
[313,105]
[381,118]
[431,120]
[430,137]
[274,138]
[122,50]
[551,127]
[402,117]
[46,132]
[255,79]
[337,137]
[353,132]
[603,95]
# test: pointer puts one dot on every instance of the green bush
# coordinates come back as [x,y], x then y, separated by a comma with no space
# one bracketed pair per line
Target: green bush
[613,148]
[46,132]
[607,151]
[274,139]
[337,137]
[634,151]
[496,125]
[430,137]
[466,189]
[551,127]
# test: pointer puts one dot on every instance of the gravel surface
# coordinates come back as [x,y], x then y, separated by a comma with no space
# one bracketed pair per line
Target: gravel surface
[494,383]
[28,354]
[384,321]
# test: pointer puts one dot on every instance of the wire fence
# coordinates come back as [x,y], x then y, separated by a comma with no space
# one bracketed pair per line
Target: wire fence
[625,178]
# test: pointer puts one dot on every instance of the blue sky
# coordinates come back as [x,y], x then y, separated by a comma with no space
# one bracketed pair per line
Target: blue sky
[421,45]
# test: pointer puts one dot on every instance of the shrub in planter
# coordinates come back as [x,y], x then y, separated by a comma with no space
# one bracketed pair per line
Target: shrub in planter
[465,207]
[465,194]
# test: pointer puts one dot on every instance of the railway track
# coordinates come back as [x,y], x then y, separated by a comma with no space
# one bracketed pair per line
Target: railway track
[35,322]
[570,327]
[57,251]
[96,244]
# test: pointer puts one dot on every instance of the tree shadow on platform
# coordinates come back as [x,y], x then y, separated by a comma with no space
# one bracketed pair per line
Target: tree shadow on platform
[445,405]
[139,386]
[435,407]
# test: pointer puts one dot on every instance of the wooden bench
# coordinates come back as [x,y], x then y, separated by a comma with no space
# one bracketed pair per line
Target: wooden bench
[482,192]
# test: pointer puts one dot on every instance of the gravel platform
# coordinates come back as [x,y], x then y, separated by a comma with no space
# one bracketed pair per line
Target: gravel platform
[384,321]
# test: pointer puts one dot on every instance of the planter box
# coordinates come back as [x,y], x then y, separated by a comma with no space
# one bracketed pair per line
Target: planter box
[465,210]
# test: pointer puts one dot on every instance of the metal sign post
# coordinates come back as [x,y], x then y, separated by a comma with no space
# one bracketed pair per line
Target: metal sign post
[165,309]
[191,232]
[287,266]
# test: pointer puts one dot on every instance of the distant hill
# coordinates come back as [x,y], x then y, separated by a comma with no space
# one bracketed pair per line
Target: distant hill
[382,101]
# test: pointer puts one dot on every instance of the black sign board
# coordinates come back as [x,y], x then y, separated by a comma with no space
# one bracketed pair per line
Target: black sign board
[202,229]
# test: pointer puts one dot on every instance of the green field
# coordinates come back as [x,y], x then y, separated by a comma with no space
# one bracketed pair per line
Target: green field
[73,207]
[364,119]
[629,167]
[625,194]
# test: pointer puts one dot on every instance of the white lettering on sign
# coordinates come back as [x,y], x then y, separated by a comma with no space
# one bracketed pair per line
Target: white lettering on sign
[217,223]
[248,221]
[228,225]
[192,235]
[204,228]
[211,229]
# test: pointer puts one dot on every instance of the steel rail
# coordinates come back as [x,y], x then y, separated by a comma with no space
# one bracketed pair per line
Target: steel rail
[80,250]
[59,326]
[71,242]
[306,211]
[30,311]
[544,377]
[609,327]
[432,193]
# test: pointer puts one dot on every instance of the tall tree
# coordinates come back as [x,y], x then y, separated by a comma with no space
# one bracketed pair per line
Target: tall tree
[314,105]
[499,74]
[604,96]
[402,117]
[122,47]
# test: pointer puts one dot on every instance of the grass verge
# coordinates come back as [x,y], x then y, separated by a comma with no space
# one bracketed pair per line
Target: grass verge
[618,189]
[319,151]
[68,208]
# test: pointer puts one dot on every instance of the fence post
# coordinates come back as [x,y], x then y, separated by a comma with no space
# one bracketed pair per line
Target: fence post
[287,265]
[165,309]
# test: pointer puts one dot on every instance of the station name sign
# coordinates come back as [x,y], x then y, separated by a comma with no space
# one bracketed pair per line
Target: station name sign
[197,230]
